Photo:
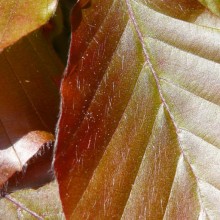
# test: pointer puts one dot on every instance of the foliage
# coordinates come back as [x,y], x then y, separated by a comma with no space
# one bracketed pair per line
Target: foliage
[138,134]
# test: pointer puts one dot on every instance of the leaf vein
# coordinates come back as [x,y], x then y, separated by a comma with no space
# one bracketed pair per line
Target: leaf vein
[191,93]
[22,206]
[148,62]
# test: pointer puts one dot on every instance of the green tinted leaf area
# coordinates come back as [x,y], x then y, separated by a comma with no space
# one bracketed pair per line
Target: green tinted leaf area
[212,5]
[20,17]
[44,203]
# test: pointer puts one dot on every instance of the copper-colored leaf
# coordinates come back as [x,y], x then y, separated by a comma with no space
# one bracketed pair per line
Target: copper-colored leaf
[18,18]
[139,132]
[29,101]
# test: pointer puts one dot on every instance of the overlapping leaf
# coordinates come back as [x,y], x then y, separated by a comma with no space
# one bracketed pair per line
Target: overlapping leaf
[213,5]
[18,18]
[139,132]
[29,101]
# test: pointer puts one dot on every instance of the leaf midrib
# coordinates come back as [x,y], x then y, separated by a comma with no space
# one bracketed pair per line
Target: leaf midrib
[163,100]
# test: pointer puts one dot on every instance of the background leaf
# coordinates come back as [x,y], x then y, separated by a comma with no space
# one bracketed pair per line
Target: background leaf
[213,5]
[19,18]
[30,72]
[138,135]
[43,202]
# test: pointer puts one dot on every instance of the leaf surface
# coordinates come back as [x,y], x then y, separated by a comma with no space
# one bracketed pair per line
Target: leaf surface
[42,203]
[18,18]
[29,101]
[213,5]
[139,131]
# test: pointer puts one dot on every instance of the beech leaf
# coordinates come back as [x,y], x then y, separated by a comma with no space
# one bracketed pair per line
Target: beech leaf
[42,203]
[29,101]
[18,18]
[213,5]
[139,130]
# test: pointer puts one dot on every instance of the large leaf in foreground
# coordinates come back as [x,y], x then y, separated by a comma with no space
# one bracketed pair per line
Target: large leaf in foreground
[139,132]
[18,18]
[29,101]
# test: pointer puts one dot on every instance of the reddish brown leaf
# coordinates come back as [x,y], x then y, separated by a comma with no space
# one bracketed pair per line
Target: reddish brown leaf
[138,135]
[29,101]
[36,172]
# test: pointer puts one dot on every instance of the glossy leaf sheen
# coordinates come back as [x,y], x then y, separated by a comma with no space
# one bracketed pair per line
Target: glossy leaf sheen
[139,131]
[29,101]
[20,17]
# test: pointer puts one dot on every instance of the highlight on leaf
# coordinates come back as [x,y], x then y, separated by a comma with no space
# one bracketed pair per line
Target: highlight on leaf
[19,18]
[212,5]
